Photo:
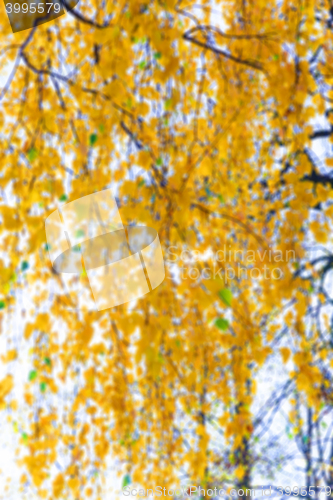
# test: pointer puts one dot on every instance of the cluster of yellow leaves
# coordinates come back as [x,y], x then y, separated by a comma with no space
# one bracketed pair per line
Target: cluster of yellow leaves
[194,139]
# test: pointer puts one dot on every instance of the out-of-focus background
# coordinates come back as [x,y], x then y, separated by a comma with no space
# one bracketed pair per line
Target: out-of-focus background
[212,124]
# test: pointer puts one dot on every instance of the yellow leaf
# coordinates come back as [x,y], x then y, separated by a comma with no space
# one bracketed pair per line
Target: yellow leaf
[11,356]
[6,385]
[285,353]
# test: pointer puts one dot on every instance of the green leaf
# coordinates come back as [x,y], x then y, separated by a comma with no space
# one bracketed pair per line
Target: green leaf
[178,344]
[142,64]
[141,183]
[289,434]
[159,162]
[32,154]
[126,480]
[24,265]
[79,233]
[167,104]
[48,362]
[276,57]
[157,55]
[25,436]
[32,375]
[93,139]
[47,246]
[2,304]
[220,197]
[43,386]
[101,128]
[63,197]
[226,296]
[222,324]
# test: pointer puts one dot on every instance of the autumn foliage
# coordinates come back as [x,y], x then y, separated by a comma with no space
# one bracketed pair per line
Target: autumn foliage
[204,119]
